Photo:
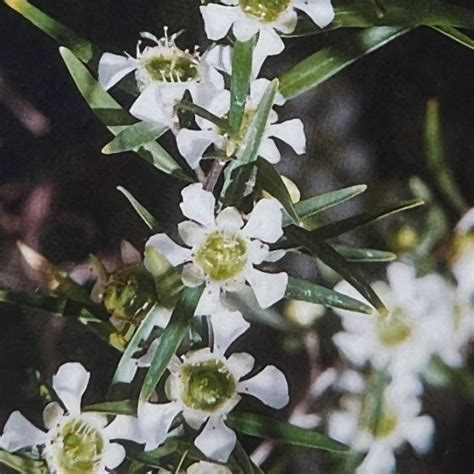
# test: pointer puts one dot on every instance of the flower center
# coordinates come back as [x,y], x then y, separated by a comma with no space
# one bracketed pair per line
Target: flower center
[386,424]
[394,329]
[381,421]
[180,67]
[206,385]
[264,10]
[222,256]
[82,448]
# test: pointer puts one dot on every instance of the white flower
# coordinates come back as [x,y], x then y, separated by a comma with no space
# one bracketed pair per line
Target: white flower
[164,73]
[74,440]
[249,17]
[203,467]
[206,385]
[193,143]
[420,320]
[222,251]
[398,422]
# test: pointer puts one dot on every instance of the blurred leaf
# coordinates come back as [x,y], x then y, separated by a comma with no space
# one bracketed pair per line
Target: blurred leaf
[240,81]
[133,137]
[243,460]
[239,170]
[114,117]
[353,254]
[306,291]
[171,339]
[310,207]
[147,218]
[324,64]
[126,365]
[455,35]
[334,229]
[23,465]
[436,159]
[271,182]
[271,428]
[80,47]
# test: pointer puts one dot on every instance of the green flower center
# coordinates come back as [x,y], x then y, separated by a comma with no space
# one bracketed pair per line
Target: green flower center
[264,10]
[222,256]
[394,329]
[206,385]
[179,68]
[386,425]
[381,425]
[82,449]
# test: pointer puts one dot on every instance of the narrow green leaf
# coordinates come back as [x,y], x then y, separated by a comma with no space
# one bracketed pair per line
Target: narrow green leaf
[23,465]
[334,229]
[455,35]
[315,205]
[133,137]
[114,117]
[324,64]
[240,169]
[204,113]
[353,254]
[80,47]
[123,407]
[271,428]
[126,366]
[306,291]
[271,182]
[242,459]
[350,273]
[436,159]
[147,218]
[171,339]
[240,81]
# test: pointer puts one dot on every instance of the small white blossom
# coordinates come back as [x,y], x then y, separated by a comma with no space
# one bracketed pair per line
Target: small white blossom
[193,143]
[265,17]
[205,385]
[398,422]
[222,252]
[74,440]
[421,322]
[164,73]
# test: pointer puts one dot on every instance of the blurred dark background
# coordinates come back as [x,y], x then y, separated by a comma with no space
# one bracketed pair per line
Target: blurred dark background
[58,193]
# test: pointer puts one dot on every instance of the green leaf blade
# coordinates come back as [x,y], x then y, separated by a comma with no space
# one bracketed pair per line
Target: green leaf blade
[353,254]
[146,216]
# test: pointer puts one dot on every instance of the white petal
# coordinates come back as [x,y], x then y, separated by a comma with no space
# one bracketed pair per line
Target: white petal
[146,359]
[291,132]
[354,347]
[19,433]
[245,28]
[193,143]
[342,426]
[114,455]
[149,108]
[275,255]
[174,253]
[220,57]
[193,419]
[204,467]
[218,19]
[320,11]
[51,414]
[191,233]
[198,204]
[258,252]
[265,221]
[380,459]
[210,300]
[70,383]
[269,44]
[268,287]
[161,317]
[269,151]
[230,218]
[240,364]
[269,386]
[155,421]
[124,427]
[192,276]
[227,326]
[216,440]
[286,23]
[113,67]
[419,433]
[130,255]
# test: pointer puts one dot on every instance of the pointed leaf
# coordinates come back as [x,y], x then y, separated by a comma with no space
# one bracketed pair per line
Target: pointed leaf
[147,218]
[455,35]
[306,291]
[353,254]
[327,62]
[114,117]
[133,137]
[271,428]
[122,407]
[171,339]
